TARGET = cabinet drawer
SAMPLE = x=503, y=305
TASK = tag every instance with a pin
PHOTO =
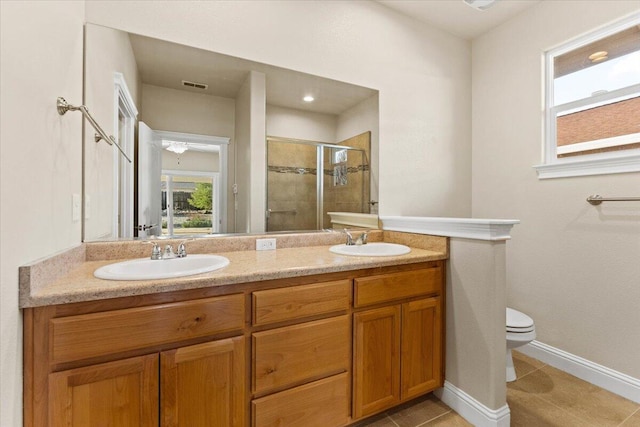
x=323, y=403
x=293, y=354
x=389, y=287
x=96, y=334
x=276, y=305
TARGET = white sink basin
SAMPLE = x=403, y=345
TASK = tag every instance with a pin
x=371, y=249
x=147, y=269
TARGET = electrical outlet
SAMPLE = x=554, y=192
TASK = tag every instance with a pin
x=75, y=207
x=265, y=244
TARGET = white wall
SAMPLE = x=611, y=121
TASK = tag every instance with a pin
x=359, y=119
x=191, y=161
x=108, y=52
x=181, y=111
x=475, y=354
x=251, y=155
x=299, y=124
x=257, y=137
x=423, y=76
x=242, y=148
x=574, y=268
x=40, y=159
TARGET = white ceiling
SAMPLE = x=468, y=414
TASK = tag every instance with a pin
x=458, y=18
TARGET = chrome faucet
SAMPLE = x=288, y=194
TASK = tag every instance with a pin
x=182, y=250
x=360, y=240
x=168, y=253
x=156, y=253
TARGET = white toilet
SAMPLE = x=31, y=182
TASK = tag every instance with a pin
x=520, y=331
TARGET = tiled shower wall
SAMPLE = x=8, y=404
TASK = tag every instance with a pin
x=355, y=195
x=291, y=183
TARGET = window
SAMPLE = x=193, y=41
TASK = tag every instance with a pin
x=592, y=121
x=190, y=202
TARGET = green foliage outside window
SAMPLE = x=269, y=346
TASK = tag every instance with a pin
x=201, y=196
x=197, y=222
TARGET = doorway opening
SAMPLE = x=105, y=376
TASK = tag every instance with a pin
x=182, y=181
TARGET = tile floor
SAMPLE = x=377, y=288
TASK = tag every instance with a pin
x=541, y=396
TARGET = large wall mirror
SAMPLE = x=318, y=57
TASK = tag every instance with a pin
x=218, y=144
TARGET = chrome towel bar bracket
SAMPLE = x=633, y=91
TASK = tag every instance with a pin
x=64, y=106
x=596, y=199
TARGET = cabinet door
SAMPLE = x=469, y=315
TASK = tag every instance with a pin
x=204, y=384
x=421, y=347
x=376, y=382
x=122, y=393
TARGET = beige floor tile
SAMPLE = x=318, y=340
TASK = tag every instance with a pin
x=380, y=420
x=524, y=364
x=583, y=400
x=632, y=421
x=450, y=419
x=527, y=410
x=418, y=411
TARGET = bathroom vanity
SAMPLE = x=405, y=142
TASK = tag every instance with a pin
x=326, y=341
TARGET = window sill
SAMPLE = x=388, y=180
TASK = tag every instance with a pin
x=624, y=163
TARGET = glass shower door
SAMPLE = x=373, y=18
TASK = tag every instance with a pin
x=291, y=186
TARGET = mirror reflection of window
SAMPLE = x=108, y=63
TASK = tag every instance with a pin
x=189, y=204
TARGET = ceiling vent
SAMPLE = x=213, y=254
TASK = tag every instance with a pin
x=194, y=84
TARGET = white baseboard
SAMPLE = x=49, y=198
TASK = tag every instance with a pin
x=471, y=410
x=613, y=381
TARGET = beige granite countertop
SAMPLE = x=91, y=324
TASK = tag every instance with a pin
x=68, y=277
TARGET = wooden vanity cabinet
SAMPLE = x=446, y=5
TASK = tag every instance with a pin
x=324, y=350
x=398, y=348
x=83, y=375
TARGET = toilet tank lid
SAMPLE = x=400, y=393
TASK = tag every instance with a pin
x=517, y=319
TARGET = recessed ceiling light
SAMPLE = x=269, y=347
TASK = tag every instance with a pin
x=308, y=98
x=480, y=4
x=599, y=56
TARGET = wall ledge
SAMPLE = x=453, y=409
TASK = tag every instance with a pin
x=472, y=410
x=354, y=219
x=469, y=228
